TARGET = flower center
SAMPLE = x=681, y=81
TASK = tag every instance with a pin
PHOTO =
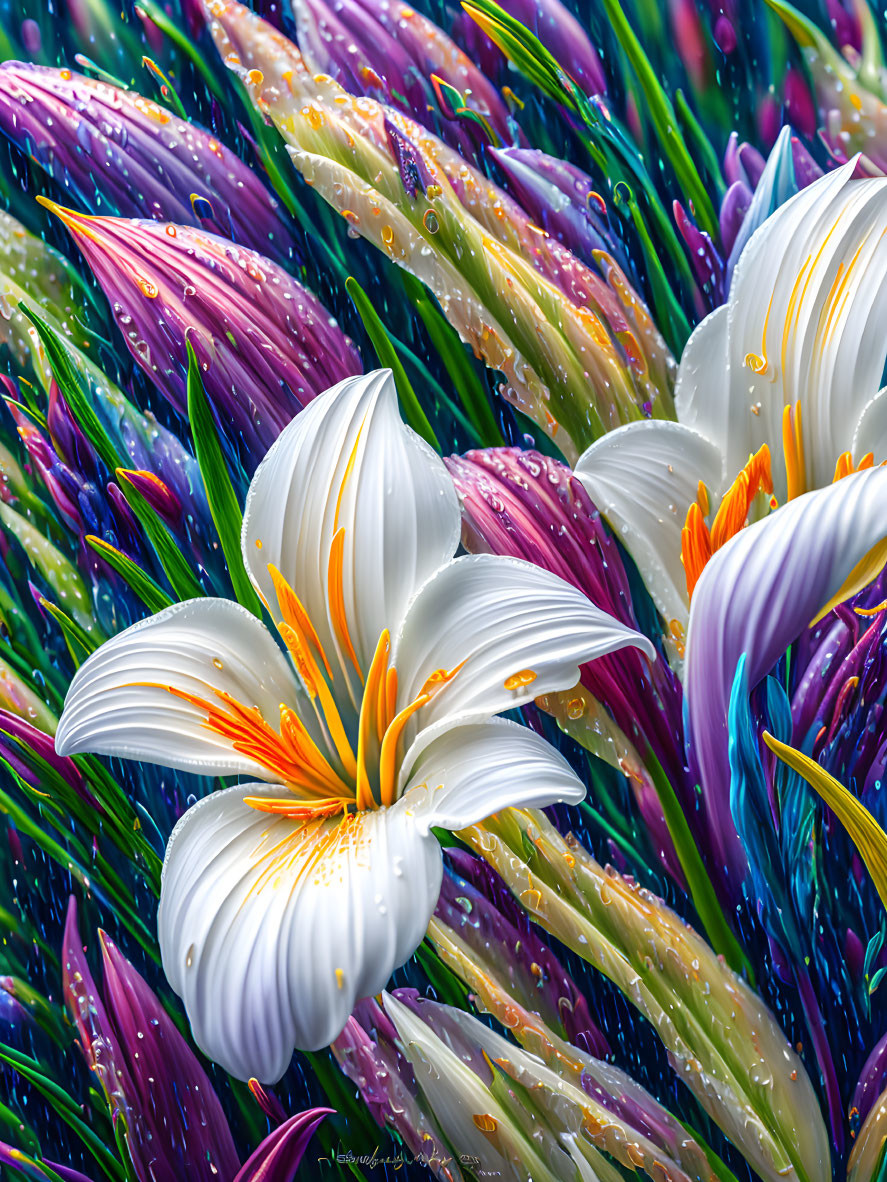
x=358, y=770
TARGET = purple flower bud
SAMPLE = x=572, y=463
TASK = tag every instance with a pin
x=62, y=484
x=159, y=496
x=119, y=153
x=847, y=26
x=279, y=1156
x=872, y=1079
x=174, y=1121
x=704, y=257
x=734, y=207
x=68, y=440
x=265, y=345
x=175, y=1125
x=560, y=198
x=28, y=735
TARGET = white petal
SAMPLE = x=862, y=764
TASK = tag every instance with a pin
x=119, y=703
x=473, y=771
x=804, y=317
x=702, y=385
x=348, y=461
x=776, y=186
x=514, y=630
x=465, y=1108
x=643, y=479
x=871, y=430
x=755, y=596
x=270, y=937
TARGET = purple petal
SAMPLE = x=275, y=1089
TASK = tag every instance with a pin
x=265, y=345
x=183, y=1124
x=278, y=1157
x=117, y=152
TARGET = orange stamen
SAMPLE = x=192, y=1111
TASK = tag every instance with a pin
x=844, y=466
x=698, y=543
x=439, y=678
x=320, y=691
x=695, y=546
x=297, y=810
x=390, y=699
x=293, y=731
x=733, y=511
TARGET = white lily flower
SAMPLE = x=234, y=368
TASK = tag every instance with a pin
x=284, y=902
x=787, y=372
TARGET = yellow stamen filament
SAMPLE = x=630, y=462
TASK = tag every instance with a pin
x=793, y=448
x=369, y=707
x=871, y=611
x=336, y=596
x=349, y=468
x=298, y=810
x=756, y=363
x=438, y=679
x=388, y=754
x=320, y=691
x=794, y=312
x=390, y=698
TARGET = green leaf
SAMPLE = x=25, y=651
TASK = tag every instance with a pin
x=452, y=352
x=80, y=643
x=181, y=577
x=524, y=49
x=658, y=107
x=153, y=597
x=223, y=504
x=702, y=892
x=72, y=390
x=66, y=1107
x=387, y=354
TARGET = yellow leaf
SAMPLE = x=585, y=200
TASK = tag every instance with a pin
x=865, y=832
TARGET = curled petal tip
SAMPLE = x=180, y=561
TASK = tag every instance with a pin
x=70, y=217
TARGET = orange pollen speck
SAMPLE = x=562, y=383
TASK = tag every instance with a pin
x=519, y=680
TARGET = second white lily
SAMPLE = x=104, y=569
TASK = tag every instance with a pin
x=778, y=391
x=284, y=902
